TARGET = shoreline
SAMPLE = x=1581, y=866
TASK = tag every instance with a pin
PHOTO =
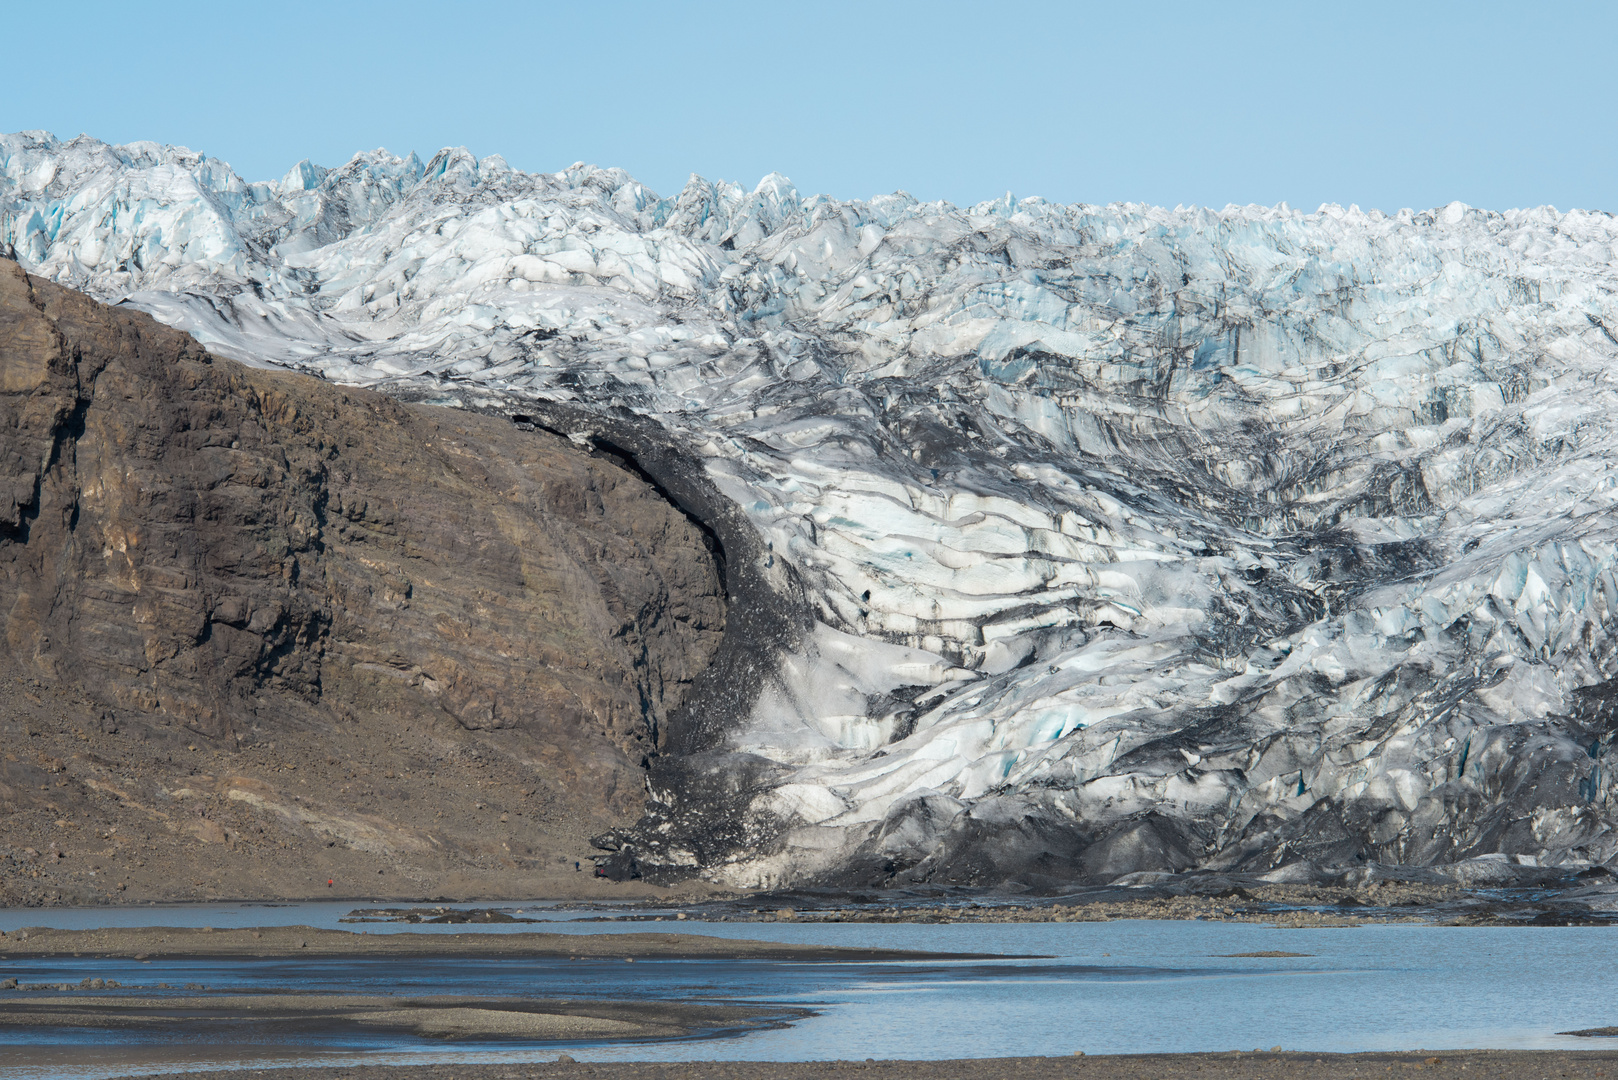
x=1276, y=1065
x=141, y=943
x=1223, y=898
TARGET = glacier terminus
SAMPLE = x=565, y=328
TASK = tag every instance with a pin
x=1065, y=543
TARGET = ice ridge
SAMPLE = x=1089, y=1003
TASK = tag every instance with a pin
x=1131, y=540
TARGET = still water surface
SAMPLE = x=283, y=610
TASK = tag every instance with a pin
x=1114, y=987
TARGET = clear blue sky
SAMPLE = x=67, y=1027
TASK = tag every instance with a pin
x=1380, y=104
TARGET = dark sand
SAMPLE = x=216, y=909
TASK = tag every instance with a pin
x=1556, y=900
x=437, y=1016
x=167, y=941
x=1467, y=1064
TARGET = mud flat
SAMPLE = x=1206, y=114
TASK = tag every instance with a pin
x=1470, y=1064
x=167, y=941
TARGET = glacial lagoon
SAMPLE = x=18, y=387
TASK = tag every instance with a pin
x=1108, y=987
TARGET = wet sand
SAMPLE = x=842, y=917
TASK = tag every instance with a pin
x=167, y=941
x=1460, y=1064
x=436, y=1016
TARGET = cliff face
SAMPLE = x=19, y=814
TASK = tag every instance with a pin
x=269, y=575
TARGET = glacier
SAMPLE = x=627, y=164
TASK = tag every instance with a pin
x=1082, y=543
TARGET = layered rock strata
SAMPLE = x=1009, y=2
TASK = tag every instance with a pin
x=218, y=583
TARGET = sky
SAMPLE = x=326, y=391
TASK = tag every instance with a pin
x=1383, y=105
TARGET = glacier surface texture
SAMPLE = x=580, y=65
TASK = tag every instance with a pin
x=1092, y=543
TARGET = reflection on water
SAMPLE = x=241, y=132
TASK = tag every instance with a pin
x=1113, y=987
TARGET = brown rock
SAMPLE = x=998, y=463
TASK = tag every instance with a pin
x=210, y=558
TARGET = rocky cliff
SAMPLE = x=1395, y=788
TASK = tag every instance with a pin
x=250, y=613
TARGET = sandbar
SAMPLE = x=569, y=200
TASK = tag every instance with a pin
x=168, y=941
x=438, y=1016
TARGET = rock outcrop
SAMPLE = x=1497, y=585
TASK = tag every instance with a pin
x=242, y=563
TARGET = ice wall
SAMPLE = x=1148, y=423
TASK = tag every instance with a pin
x=1137, y=539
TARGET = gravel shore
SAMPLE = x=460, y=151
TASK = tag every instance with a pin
x=1467, y=1064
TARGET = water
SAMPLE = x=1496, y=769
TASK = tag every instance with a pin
x=1126, y=986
